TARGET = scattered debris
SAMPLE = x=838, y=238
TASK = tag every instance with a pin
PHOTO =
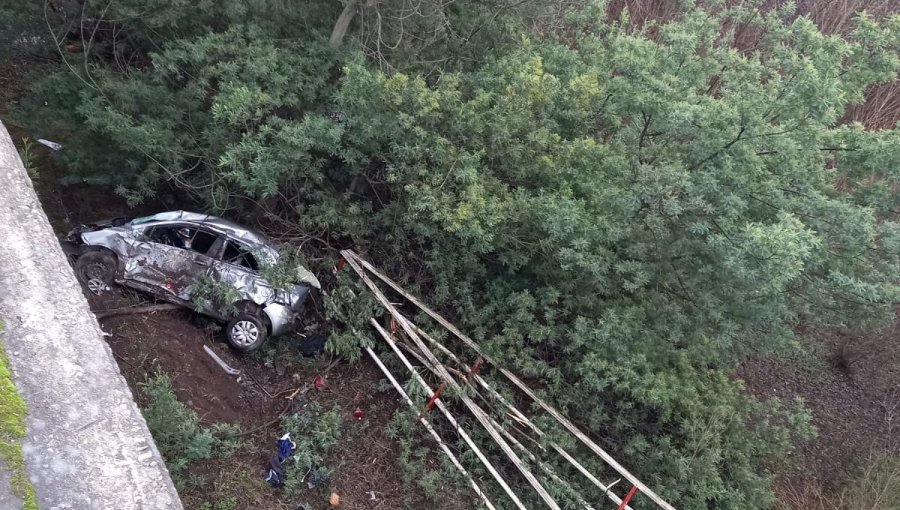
x=314, y=345
x=301, y=391
x=286, y=447
x=52, y=145
x=335, y=500
x=227, y=368
x=318, y=478
x=319, y=382
x=359, y=414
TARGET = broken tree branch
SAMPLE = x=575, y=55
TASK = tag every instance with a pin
x=102, y=314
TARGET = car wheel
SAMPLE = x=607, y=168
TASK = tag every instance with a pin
x=246, y=332
x=97, y=270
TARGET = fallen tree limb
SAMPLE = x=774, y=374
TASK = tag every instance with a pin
x=102, y=314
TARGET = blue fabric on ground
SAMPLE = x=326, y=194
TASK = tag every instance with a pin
x=286, y=447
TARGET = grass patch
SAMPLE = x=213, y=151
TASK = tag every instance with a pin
x=874, y=486
x=315, y=433
x=440, y=481
x=12, y=430
x=178, y=434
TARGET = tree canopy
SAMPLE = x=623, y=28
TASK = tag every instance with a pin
x=621, y=213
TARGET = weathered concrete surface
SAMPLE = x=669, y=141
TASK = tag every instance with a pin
x=87, y=445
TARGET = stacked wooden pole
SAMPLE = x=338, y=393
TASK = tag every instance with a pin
x=495, y=430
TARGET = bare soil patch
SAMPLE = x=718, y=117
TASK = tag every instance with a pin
x=850, y=382
x=364, y=468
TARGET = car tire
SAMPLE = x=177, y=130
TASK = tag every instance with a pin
x=96, y=268
x=246, y=332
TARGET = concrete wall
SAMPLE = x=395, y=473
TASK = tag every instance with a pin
x=87, y=445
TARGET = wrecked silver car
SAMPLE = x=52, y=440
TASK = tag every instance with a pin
x=197, y=261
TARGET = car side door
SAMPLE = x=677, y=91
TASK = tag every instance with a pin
x=239, y=267
x=170, y=259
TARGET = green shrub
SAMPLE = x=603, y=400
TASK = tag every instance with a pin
x=177, y=431
x=315, y=433
x=229, y=503
x=227, y=439
x=439, y=481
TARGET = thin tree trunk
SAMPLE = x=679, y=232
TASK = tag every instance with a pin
x=343, y=22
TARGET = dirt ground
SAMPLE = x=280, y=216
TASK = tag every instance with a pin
x=851, y=385
x=365, y=474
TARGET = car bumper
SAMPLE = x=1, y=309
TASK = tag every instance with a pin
x=281, y=318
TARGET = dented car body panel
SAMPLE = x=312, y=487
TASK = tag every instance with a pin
x=168, y=254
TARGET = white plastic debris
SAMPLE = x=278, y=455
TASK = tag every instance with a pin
x=53, y=145
x=221, y=363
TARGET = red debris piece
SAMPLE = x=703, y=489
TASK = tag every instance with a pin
x=319, y=383
x=341, y=263
x=359, y=414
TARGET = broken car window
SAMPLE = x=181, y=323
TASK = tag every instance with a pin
x=182, y=237
x=239, y=254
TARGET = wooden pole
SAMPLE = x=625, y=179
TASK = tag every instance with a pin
x=600, y=452
x=544, y=467
x=445, y=375
x=519, y=416
x=459, y=430
x=430, y=429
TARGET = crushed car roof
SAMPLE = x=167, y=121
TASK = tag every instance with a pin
x=228, y=226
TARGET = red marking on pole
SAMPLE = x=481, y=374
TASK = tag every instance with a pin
x=628, y=497
x=394, y=327
x=475, y=369
x=431, y=401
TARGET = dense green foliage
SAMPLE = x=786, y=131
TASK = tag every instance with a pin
x=622, y=215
